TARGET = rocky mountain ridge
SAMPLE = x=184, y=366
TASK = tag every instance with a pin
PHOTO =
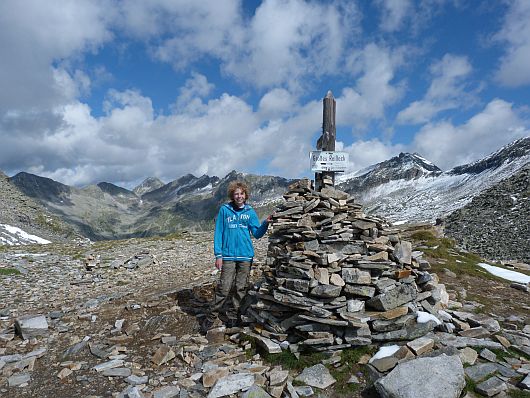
x=24, y=220
x=407, y=188
x=107, y=211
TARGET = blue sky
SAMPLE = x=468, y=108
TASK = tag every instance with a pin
x=119, y=91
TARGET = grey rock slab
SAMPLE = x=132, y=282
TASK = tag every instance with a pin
x=421, y=345
x=403, y=252
x=488, y=323
x=18, y=379
x=167, y=392
x=356, y=276
x=360, y=290
x=116, y=372
x=326, y=291
x=231, y=384
x=393, y=298
x=131, y=392
x=270, y=346
x=480, y=371
x=11, y=358
x=255, y=392
x=304, y=391
x=316, y=376
x=278, y=377
x=490, y=387
x=115, y=363
x=476, y=332
x=135, y=380
x=468, y=356
x=445, y=376
x=29, y=326
x=461, y=342
x=488, y=355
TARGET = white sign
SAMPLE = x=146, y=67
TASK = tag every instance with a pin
x=328, y=161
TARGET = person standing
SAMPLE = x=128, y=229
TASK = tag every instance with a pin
x=234, y=252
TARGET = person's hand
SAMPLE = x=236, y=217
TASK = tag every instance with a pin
x=269, y=218
x=219, y=263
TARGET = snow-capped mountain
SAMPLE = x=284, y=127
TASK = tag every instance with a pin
x=407, y=188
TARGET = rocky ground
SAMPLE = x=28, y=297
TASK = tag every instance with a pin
x=121, y=319
x=495, y=223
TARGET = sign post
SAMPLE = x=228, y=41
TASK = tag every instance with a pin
x=326, y=142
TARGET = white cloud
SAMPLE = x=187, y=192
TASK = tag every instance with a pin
x=394, y=13
x=374, y=89
x=194, y=89
x=33, y=36
x=364, y=153
x=446, y=91
x=449, y=145
x=515, y=34
x=277, y=103
x=290, y=41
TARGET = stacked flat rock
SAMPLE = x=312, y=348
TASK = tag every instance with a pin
x=336, y=278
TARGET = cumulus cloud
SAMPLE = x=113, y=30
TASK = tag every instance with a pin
x=307, y=40
x=364, y=153
x=374, y=89
x=448, y=90
x=449, y=145
x=515, y=35
x=394, y=13
x=34, y=37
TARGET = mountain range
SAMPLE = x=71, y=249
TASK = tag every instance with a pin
x=409, y=188
x=405, y=188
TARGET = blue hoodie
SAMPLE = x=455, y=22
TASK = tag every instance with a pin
x=232, y=233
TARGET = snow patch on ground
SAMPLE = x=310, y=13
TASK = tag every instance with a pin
x=513, y=276
x=384, y=352
x=11, y=235
x=424, y=317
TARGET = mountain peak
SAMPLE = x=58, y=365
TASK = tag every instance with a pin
x=113, y=190
x=148, y=185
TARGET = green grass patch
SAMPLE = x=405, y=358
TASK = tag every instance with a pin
x=9, y=271
x=349, y=366
x=470, y=385
x=519, y=394
x=289, y=361
x=444, y=249
x=507, y=353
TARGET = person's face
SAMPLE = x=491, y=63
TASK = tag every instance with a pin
x=239, y=197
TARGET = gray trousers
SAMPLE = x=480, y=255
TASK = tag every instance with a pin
x=233, y=275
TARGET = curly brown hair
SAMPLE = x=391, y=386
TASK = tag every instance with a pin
x=235, y=185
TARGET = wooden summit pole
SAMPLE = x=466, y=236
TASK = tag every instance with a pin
x=326, y=142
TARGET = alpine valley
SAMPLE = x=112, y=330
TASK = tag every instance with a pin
x=404, y=189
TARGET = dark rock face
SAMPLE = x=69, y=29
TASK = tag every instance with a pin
x=495, y=223
x=19, y=210
x=115, y=190
x=41, y=188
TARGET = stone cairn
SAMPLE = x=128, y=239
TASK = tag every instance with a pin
x=336, y=278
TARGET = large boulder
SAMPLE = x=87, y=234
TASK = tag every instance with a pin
x=438, y=377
